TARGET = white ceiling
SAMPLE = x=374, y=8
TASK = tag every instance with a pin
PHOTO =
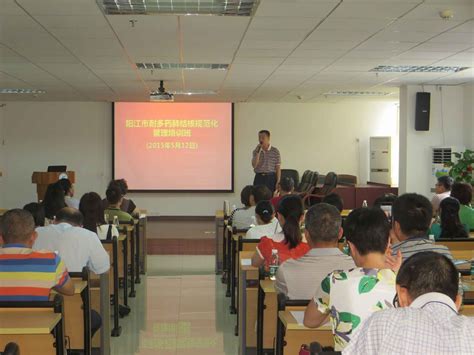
x=290, y=50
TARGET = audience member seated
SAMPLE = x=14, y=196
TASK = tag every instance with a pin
x=285, y=187
x=267, y=224
x=114, y=199
x=385, y=200
x=68, y=189
x=412, y=215
x=247, y=200
x=299, y=278
x=27, y=274
x=77, y=246
x=335, y=200
x=442, y=190
x=53, y=201
x=37, y=211
x=348, y=297
x=450, y=226
x=244, y=219
x=427, y=320
x=463, y=192
x=126, y=205
x=289, y=243
x=92, y=209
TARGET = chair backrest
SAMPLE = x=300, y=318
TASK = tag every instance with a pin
x=314, y=179
x=345, y=179
x=330, y=183
x=291, y=173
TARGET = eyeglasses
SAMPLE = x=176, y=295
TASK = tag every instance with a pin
x=395, y=301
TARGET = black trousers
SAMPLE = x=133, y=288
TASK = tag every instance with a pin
x=96, y=322
x=267, y=179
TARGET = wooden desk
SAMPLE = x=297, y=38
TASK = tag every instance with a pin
x=219, y=223
x=297, y=334
x=100, y=301
x=31, y=329
x=345, y=213
x=247, y=305
x=266, y=315
x=143, y=222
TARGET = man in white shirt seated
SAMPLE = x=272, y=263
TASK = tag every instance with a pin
x=442, y=190
x=77, y=247
x=299, y=278
x=267, y=225
x=428, y=321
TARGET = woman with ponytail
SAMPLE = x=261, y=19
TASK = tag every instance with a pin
x=289, y=243
x=450, y=226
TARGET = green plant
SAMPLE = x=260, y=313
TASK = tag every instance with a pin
x=461, y=170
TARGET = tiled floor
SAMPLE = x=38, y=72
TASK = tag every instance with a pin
x=180, y=308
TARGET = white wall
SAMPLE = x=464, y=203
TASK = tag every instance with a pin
x=448, y=127
x=469, y=115
x=320, y=136
x=2, y=156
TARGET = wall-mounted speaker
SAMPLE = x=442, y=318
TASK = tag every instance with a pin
x=422, y=112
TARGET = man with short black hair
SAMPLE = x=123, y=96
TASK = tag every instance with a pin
x=442, y=190
x=299, y=278
x=77, y=246
x=27, y=274
x=428, y=322
x=350, y=296
x=412, y=215
x=266, y=162
x=334, y=200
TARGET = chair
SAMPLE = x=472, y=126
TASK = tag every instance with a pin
x=345, y=179
x=317, y=194
x=11, y=349
x=305, y=183
x=291, y=173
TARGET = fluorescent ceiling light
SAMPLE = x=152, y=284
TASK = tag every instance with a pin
x=186, y=66
x=356, y=93
x=194, y=92
x=180, y=7
x=417, y=69
x=22, y=91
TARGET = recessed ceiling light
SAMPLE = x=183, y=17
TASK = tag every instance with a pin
x=180, y=7
x=22, y=91
x=356, y=93
x=186, y=66
x=417, y=69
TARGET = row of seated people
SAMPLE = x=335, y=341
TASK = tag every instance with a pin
x=347, y=290
x=451, y=218
x=36, y=258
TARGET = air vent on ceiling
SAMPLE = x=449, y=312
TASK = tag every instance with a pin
x=356, y=93
x=22, y=91
x=417, y=69
x=180, y=7
x=186, y=66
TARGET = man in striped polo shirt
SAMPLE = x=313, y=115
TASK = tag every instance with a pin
x=266, y=162
x=27, y=275
x=412, y=215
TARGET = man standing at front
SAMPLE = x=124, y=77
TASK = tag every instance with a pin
x=266, y=162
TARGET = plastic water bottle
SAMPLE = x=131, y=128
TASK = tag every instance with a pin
x=274, y=264
x=364, y=204
x=472, y=270
x=116, y=221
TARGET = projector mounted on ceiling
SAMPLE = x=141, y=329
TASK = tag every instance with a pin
x=161, y=94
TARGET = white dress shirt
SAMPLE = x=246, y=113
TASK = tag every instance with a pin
x=430, y=325
x=78, y=247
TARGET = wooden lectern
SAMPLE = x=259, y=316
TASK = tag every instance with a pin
x=43, y=179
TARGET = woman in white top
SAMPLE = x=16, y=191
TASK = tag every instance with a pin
x=267, y=224
x=93, y=211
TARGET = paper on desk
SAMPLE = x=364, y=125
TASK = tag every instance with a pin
x=246, y=262
x=299, y=316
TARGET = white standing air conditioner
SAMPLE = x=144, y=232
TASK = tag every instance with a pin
x=381, y=160
x=439, y=157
